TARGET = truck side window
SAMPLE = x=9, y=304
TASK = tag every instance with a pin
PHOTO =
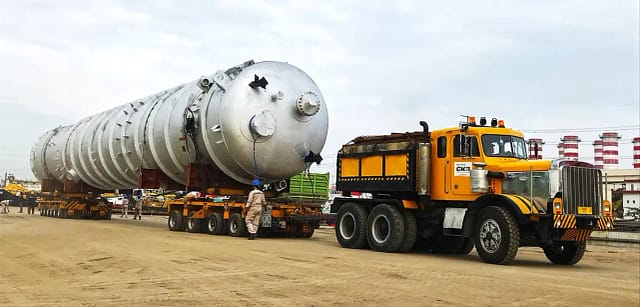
x=442, y=147
x=469, y=145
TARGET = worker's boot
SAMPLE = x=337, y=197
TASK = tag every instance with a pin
x=252, y=236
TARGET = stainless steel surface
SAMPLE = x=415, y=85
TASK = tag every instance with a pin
x=479, y=180
x=424, y=168
x=246, y=131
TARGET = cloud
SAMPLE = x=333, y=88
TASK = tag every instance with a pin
x=382, y=66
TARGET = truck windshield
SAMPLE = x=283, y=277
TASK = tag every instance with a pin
x=495, y=145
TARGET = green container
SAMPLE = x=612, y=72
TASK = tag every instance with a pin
x=309, y=186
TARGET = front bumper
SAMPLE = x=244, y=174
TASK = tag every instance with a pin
x=586, y=222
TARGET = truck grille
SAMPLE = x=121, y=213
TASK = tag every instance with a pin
x=581, y=187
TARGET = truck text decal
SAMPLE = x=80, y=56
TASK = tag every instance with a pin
x=462, y=168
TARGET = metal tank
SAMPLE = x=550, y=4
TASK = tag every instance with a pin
x=263, y=120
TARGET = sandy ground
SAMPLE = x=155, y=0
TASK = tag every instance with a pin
x=48, y=261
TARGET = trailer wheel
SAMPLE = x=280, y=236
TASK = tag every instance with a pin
x=175, y=220
x=385, y=228
x=410, y=231
x=300, y=231
x=215, y=224
x=237, y=227
x=194, y=225
x=566, y=253
x=351, y=226
x=496, y=235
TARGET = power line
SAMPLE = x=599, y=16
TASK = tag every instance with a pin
x=594, y=129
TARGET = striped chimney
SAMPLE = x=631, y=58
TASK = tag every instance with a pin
x=532, y=149
x=610, y=149
x=597, y=154
x=560, y=150
x=636, y=152
x=570, y=145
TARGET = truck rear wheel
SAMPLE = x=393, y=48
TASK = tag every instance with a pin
x=351, y=225
x=194, y=225
x=566, y=253
x=237, y=227
x=215, y=224
x=385, y=228
x=496, y=235
x=175, y=220
x=410, y=231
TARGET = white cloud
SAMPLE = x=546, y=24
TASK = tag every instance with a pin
x=382, y=66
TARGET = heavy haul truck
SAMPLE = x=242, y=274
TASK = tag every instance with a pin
x=263, y=121
x=450, y=189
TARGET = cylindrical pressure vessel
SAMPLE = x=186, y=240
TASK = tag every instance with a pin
x=263, y=120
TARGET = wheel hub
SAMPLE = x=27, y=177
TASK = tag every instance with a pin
x=490, y=236
x=380, y=228
x=347, y=226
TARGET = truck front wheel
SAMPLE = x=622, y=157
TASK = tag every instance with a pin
x=496, y=235
x=385, y=228
x=351, y=226
x=567, y=253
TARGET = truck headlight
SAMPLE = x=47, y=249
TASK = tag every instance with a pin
x=557, y=205
x=606, y=208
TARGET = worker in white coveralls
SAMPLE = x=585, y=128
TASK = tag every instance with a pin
x=5, y=206
x=254, y=204
x=125, y=207
x=138, y=209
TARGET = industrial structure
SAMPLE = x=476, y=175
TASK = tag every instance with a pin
x=535, y=149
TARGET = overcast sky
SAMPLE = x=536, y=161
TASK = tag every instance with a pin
x=382, y=66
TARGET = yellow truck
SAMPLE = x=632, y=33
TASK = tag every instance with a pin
x=450, y=189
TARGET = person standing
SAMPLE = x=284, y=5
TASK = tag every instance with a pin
x=255, y=202
x=5, y=206
x=31, y=203
x=138, y=208
x=125, y=207
x=20, y=200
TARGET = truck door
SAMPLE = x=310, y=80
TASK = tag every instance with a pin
x=464, y=152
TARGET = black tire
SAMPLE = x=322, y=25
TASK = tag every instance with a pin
x=385, y=228
x=193, y=225
x=237, y=226
x=214, y=225
x=300, y=231
x=351, y=226
x=496, y=235
x=410, y=231
x=309, y=234
x=566, y=253
x=175, y=220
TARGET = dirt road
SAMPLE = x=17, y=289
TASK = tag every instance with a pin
x=48, y=261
